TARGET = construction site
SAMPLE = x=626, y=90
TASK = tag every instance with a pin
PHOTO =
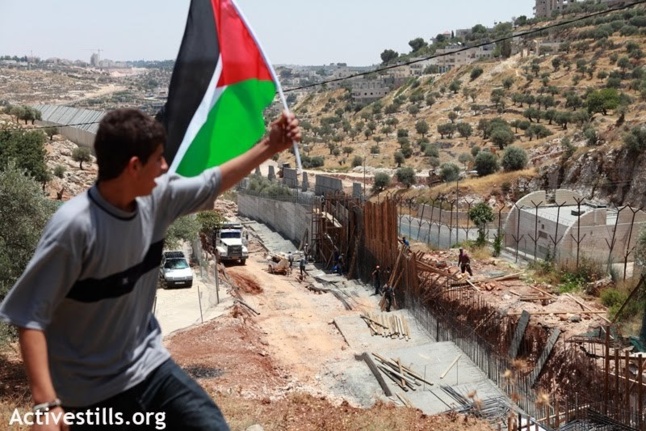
x=549, y=360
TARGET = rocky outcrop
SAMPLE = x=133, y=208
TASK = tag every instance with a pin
x=74, y=180
x=616, y=176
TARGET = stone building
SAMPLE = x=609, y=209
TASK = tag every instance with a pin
x=369, y=90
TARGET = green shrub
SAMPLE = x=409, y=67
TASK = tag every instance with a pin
x=381, y=182
x=59, y=171
x=514, y=159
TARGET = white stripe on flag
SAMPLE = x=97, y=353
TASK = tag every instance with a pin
x=200, y=116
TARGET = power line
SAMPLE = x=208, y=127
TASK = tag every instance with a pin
x=466, y=48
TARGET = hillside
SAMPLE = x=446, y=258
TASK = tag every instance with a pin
x=548, y=96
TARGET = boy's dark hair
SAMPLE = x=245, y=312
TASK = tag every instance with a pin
x=123, y=134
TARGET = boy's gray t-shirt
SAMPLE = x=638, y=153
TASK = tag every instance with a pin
x=91, y=284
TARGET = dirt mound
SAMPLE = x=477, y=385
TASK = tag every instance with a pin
x=246, y=282
x=227, y=353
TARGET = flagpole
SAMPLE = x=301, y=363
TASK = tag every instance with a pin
x=270, y=66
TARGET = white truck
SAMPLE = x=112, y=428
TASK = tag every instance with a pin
x=231, y=243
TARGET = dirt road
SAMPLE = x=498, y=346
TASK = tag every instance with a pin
x=297, y=322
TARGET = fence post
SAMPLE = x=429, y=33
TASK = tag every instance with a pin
x=421, y=219
x=578, y=230
x=469, y=203
x=451, y=224
x=611, y=244
x=555, y=240
x=439, y=224
x=630, y=234
x=535, y=238
x=517, y=237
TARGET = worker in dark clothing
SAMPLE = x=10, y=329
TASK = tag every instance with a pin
x=376, y=274
x=306, y=251
x=389, y=295
x=337, y=256
x=290, y=258
x=464, y=262
x=301, y=266
x=340, y=264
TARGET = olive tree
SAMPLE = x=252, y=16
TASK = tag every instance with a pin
x=514, y=159
x=381, y=181
x=486, y=163
x=480, y=215
x=24, y=211
x=81, y=154
x=183, y=229
x=422, y=127
x=449, y=172
x=406, y=176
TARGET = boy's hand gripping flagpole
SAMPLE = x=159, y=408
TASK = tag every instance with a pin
x=299, y=166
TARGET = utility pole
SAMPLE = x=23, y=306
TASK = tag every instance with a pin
x=364, y=171
x=457, y=209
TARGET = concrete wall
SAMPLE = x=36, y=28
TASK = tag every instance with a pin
x=83, y=122
x=290, y=178
x=357, y=190
x=326, y=184
x=290, y=219
x=521, y=227
x=596, y=230
x=596, y=236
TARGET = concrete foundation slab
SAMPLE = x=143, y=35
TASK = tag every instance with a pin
x=440, y=363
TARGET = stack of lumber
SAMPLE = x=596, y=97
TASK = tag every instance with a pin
x=403, y=376
x=391, y=325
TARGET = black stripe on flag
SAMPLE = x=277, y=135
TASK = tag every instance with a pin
x=194, y=68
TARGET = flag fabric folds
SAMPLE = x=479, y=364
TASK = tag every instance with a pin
x=220, y=86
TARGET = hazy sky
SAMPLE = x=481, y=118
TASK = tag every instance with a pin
x=308, y=32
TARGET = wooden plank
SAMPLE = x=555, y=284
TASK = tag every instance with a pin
x=407, y=330
x=515, y=276
x=551, y=341
x=391, y=363
x=584, y=305
x=370, y=318
x=395, y=377
x=401, y=371
x=473, y=285
x=541, y=290
x=518, y=335
x=404, y=400
x=546, y=313
x=455, y=361
x=375, y=372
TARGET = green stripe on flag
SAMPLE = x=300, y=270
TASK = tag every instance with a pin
x=233, y=126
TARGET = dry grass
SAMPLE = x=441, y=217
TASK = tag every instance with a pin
x=302, y=412
x=480, y=253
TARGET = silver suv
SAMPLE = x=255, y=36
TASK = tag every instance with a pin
x=175, y=270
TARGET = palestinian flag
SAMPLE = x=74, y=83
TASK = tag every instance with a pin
x=220, y=86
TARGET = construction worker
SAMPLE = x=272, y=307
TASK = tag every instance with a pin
x=389, y=295
x=464, y=262
x=340, y=264
x=301, y=266
x=376, y=275
x=306, y=251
